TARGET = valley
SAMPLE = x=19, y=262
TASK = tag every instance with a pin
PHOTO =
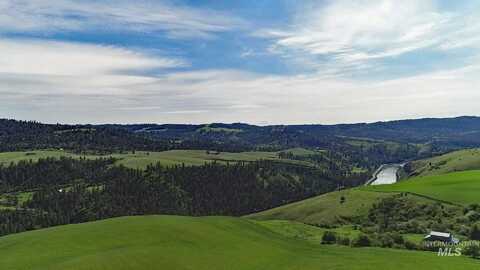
x=292, y=197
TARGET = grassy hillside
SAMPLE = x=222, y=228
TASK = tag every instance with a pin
x=455, y=161
x=141, y=159
x=170, y=242
x=459, y=187
x=309, y=233
x=325, y=209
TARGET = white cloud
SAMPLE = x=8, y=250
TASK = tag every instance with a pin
x=22, y=56
x=48, y=67
x=143, y=16
x=351, y=33
x=231, y=96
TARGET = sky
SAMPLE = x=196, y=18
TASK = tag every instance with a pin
x=260, y=62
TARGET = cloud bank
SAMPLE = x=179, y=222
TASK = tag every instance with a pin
x=91, y=83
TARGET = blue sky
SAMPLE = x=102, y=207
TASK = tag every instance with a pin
x=261, y=62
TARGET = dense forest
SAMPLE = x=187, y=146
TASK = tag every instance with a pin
x=69, y=190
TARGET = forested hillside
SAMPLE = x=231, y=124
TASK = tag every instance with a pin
x=63, y=191
x=437, y=135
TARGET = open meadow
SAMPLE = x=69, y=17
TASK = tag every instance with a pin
x=141, y=159
x=172, y=242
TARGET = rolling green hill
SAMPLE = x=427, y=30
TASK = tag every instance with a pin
x=459, y=187
x=325, y=209
x=172, y=242
x=462, y=160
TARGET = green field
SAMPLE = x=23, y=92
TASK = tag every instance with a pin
x=312, y=234
x=188, y=157
x=325, y=209
x=9, y=157
x=171, y=242
x=141, y=159
x=460, y=187
x=462, y=160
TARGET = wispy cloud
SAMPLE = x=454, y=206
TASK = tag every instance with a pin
x=40, y=57
x=48, y=67
x=349, y=34
x=144, y=16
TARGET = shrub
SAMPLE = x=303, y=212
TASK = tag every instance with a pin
x=344, y=241
x=385, y=240
x=472, y=251
x=362, y=241
x=410, y=245
x=329, y=237
x=397, y=238
x=475, y=232
x=463, y=230
x=473, y=216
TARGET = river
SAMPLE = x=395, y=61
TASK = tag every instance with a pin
x=386, y=174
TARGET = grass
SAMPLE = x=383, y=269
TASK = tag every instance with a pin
x=171, y=242
x=15, y=157
x=325, y=209
x=141, y=159
x=298, y=151
x=462, y=160
x=312, y=234
x=459, y=188
x=21, y=198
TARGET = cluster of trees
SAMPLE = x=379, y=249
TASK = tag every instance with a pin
x=385, y=240
x=69, y=190
x=394, y=216
x=401, y=214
